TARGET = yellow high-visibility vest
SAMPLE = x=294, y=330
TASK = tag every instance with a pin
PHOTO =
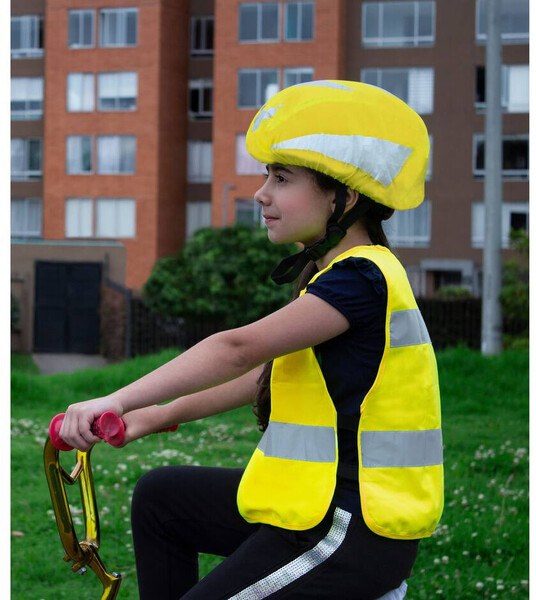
x=291, y=476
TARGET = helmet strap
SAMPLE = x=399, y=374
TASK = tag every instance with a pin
x=291, y=266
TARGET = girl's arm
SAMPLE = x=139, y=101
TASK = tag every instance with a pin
x=224, y=397
x=305, y=322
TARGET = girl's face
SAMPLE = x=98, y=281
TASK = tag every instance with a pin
x=293, y=207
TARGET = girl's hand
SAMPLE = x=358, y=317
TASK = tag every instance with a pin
x=76, y=426
x=142, y=422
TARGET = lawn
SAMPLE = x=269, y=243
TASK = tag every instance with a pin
x=480, y=549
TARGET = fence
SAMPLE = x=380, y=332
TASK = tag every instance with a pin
x=135, y=330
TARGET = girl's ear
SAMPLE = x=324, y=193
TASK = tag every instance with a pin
x=351, y=199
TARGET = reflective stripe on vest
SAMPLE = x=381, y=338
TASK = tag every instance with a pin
x=407, y=328
x=402, y=448
x=299, y=442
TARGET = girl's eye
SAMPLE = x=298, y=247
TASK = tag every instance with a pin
x=279, y=178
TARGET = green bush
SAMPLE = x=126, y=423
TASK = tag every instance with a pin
x=515, y=282
x=220, y=274
x=453, y=292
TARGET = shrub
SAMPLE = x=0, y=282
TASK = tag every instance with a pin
x=453, y=292
x=515, y=283
x=220, y=274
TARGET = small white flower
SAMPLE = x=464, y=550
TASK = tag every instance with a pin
x=479, y=585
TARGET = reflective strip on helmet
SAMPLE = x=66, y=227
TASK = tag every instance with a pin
x=402, y=448
x=327, y=83
x=268, y=113
x=407, y=328
x=299, y=442
x=381, y=159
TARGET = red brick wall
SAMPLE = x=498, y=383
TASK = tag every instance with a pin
x=325, y=53
x=157, y=123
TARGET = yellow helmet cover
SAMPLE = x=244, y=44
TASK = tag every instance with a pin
x=357, y=133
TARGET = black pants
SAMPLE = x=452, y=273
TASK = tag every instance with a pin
x=178, y=512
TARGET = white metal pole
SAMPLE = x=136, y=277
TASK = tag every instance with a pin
x=491, y=308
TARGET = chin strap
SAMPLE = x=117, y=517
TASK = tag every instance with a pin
x=291, y=266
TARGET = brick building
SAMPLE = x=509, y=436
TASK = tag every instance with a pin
x=128, y=123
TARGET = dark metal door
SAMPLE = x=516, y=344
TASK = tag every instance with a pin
x=67, y=300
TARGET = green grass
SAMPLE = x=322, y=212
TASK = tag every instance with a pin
x=480, y=549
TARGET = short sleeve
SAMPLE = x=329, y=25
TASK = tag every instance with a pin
x=356, y=288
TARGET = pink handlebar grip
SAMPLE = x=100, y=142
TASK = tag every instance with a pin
x=109, y=427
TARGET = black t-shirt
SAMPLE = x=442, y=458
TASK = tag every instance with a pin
x=349, y=362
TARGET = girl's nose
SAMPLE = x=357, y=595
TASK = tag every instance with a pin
x=261, y=196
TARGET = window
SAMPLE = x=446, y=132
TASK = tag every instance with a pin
x=248, y=212
x=245, y=163
x=414, y=86
x=81, y=28
x=116, y=218
x=118, y=27
x=26, y=159
x=398, y=24
x=302, y=75
x=200, y=98
x=116, y=154
x=256, y=86
x=514, y=21
x=80, y=92
x=515, y=155
x=299, y=21
x=79, y=217
x=202, y=36
x=79, y=159
x=410, y=228
x=26, y=217
x=197, y=217
x=514, y=88
x=118, y=91
x=259, y=22
x=27, y=36
x=199, y=162
x=515, y=215
x=26, y=98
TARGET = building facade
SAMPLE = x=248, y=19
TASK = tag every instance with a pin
x=129, y=118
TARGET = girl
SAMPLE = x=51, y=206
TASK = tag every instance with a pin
x=348, y=475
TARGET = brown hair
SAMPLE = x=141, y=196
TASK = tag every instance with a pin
x=372, y=221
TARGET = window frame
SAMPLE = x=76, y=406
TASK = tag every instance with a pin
x=481, y=107
x=300, y=39
x=30, y=52
x=260, y=40
x=258, y=72
x=102, y=199
x=87, y=74
x=28, y=233
x=398, y=241
x=407, y=70
x=121, y=137
x=200, y=84
x=123, y=10
x=190, y=230
x=505, y=174
x=507, y=209
x=92, y=149
x=201, y=51
x=506, y=38
x=301, y=70
x=256, y=211
x=27, y=114
x=417, y=40
x=117, y=98
x=29, y=175
x=200, y=177
x=93, y=28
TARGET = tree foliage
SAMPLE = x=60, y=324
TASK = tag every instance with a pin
x=515, y=281
x=220, y=274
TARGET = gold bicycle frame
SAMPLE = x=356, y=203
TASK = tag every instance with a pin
x=83, y=553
